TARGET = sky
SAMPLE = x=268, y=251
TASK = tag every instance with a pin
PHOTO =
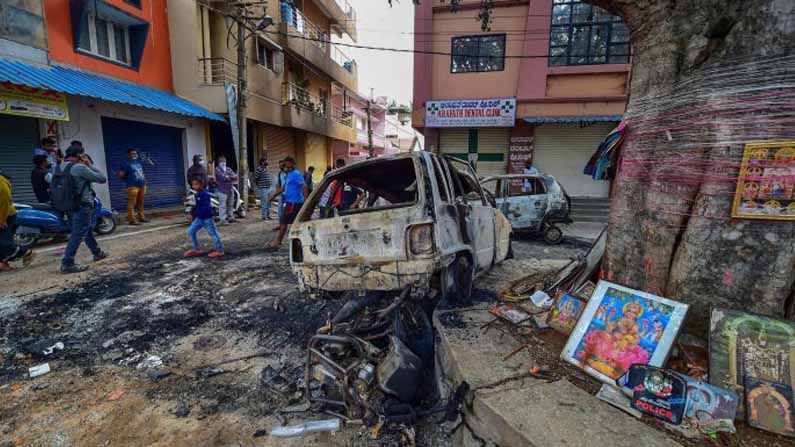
x=388, y=73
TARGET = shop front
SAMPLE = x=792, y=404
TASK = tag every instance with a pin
x=478, y=131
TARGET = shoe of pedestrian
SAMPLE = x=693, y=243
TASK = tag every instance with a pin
x=135, y=223
x=74, y=268
x=100, y=256
x=216, y=254
x=27, y=258
x=5, y=267
x=193, y=253
x=144, y=220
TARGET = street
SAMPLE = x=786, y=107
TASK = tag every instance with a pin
x=197, y=316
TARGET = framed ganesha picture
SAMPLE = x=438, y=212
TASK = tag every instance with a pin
x=621, y=327
x=766, y=183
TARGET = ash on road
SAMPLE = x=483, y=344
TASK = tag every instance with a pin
x=230, y=335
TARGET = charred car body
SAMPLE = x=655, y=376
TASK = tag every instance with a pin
x=398, y=233
x=534, y=203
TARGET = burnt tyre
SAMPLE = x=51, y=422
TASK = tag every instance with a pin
x=553, y=235
x=464, y=272
x=105, y=225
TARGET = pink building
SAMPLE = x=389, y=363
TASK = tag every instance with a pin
x=357, y=107
x=546, y=83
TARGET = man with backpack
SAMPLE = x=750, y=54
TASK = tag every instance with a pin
x=72, y=193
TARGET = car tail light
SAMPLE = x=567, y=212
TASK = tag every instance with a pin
x=421, y=239
x=296, y=251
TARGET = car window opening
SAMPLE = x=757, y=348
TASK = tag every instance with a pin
x=370, y=187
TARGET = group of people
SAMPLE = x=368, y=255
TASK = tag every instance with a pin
x=207, y=192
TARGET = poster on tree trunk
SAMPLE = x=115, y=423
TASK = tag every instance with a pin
x=766, y=184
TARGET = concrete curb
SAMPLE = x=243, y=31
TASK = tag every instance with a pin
x=507, y=411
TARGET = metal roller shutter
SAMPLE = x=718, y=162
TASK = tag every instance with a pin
x=279, y=144
x=160, y=149
x=493, y=151
x=316, y=154
x=563, y=150
x=454, y=142
x=20, y=137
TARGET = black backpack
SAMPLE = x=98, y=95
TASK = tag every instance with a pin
x=62, y=190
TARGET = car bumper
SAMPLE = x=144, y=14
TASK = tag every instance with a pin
x=385, y=276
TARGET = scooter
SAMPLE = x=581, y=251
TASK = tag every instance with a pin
x=40, y=220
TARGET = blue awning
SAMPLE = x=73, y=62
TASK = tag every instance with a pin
x=573, y=119
x=81, y=83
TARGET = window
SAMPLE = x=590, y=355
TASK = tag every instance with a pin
x=269, y=56
x=583, y=34
x=473, y=54
x=105, y=39
x=136, y=3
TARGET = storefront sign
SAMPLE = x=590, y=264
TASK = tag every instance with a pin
x=471, y=113
x=21, y=100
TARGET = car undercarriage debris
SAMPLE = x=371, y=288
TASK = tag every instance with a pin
x=374, y=363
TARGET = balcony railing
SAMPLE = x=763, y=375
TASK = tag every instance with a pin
x=342, y=59
x=294, y=18
x=303, y=99
x=217, y=71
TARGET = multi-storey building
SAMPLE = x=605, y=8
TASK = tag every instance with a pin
x=98, y=72
x=298, y=82
x=547, y=82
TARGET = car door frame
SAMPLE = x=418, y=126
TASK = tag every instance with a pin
x=481, y=227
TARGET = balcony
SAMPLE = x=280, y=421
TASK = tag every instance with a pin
x=341, y=14
x=310, y=42
x=306, y=111
x=217, y=71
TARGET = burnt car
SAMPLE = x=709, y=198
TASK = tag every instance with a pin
x=396, y=235
x=413, y=219
x=534, y=203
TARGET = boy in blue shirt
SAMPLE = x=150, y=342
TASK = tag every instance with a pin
x=293, y=191
x=132, y=171
x=202, y=212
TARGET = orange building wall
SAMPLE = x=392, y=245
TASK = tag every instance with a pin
x=155, y=68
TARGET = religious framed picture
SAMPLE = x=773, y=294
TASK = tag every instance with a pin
x=747, y=345
x=586, y=290
x=621, y=327
x=566, y=312
x=769, y=406
x=766, y=183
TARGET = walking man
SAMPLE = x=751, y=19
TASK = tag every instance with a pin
x=280, y=184
x=132, y=171
x=225, y=177
x=310, y=183
x=294, y=191
x=264, y=187
x=197, y=171
x=83, y=174
x=9, y=250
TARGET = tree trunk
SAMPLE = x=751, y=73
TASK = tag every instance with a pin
x=708, y=76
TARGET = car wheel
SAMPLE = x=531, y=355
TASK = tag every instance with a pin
x=26, y=240
x=105, y=225
x=553, y=235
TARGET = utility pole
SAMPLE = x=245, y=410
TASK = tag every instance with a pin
x=370, y=149
x=242, y=81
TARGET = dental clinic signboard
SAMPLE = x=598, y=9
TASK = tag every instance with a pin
x=471, y=113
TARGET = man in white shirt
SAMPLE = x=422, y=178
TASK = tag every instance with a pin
x=527, y=186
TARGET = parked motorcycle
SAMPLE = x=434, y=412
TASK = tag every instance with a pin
x=40, y=220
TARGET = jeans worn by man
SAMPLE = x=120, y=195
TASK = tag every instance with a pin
x=82, y=230
x=265, y=204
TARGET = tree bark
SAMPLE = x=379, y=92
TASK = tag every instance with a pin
x=708, y=76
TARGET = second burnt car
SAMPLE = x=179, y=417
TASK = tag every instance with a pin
x=396, y=235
